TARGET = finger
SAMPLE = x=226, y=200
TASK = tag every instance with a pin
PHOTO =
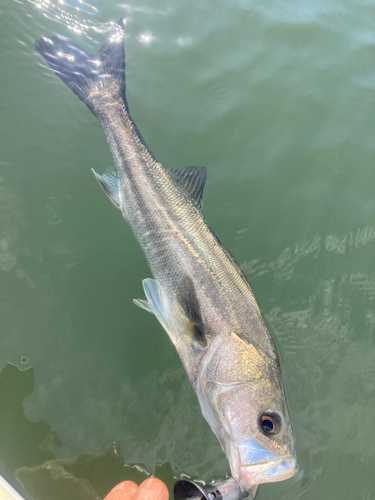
x=152, y=489
x=123, y=491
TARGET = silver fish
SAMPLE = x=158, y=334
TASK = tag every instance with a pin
x=199, y=293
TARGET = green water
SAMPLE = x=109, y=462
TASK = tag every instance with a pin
x=277, y=99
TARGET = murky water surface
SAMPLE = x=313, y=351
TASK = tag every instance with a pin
x=277, y=99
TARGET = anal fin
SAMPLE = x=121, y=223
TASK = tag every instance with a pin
x=109, y=183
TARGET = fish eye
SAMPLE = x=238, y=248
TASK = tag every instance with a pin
x=270, y=422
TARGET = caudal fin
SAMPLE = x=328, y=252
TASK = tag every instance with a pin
x=81, y=71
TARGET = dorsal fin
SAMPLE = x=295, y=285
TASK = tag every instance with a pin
x=189, y=311
x=192, y=179
x=231, y=258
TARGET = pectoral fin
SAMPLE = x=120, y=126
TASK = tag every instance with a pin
x=156, y=304
x=186, y=312
x=189, y=313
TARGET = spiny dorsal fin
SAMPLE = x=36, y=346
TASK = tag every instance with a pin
x=189, y=312
x=192, y=179
x=109, y=184
x=231, y=258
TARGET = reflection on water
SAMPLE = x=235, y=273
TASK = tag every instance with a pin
x=22, y=442
x=326, y=334
x=29, y=449
x=284, y=266
x=88, y=476
x=326, y=328
x=71, y=14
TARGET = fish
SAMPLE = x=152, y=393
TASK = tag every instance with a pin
x=198, y=291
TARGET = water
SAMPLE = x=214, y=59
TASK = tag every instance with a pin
x=277, y=100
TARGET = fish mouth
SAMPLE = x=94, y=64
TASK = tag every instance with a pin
x=269, y=471
x=259, y=465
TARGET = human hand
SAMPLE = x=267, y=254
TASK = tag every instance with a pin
x=151, y=489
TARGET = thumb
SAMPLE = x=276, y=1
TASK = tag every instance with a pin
x=123, y=491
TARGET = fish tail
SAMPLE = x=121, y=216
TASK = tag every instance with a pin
x=84, y=73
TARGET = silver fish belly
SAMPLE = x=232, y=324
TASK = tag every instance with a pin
x=199, y=293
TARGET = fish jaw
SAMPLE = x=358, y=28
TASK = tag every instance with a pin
x=272, y=471
x=253, y=465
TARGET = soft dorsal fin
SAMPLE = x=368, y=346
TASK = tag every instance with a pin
x=189, y=313
x=192, y=179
